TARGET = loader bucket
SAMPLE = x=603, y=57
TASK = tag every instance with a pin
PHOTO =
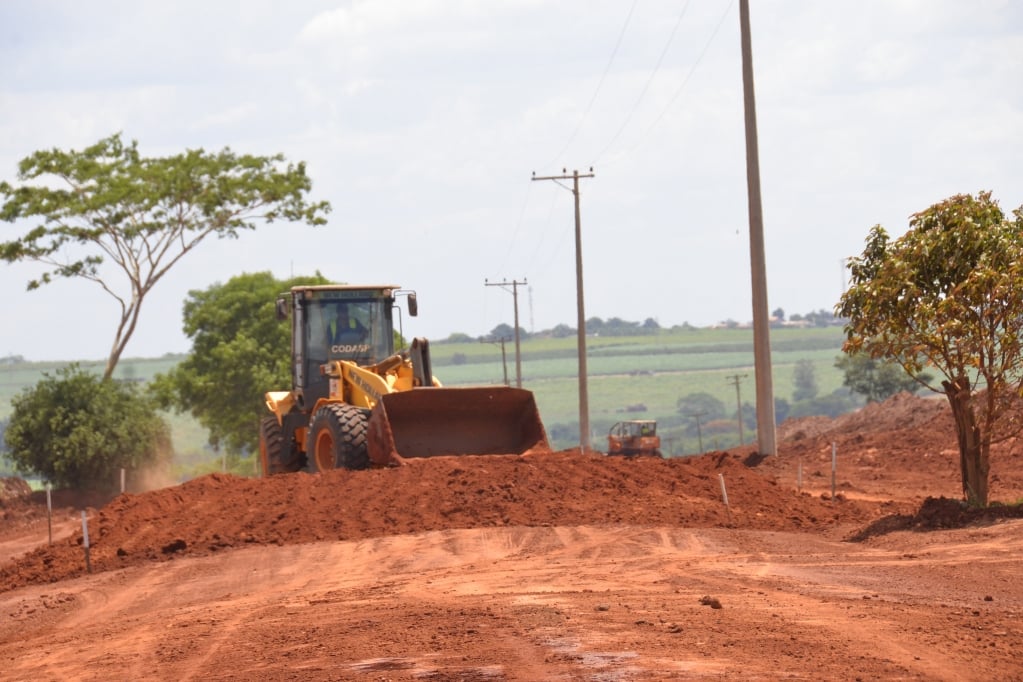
x=427, y=422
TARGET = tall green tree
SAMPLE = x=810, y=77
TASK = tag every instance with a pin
x=805, y=379
x=506, y=331
x=108, y=203
x=240, y=350
x=78, y=430
x=699, y=408
x=946, y=295
x=3, y=442
x=876, y=379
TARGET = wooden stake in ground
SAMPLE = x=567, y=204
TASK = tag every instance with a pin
x=49, y=514
x=724, y=496
x=85, y=541
x=834, y=468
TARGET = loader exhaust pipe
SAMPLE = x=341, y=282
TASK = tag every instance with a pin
x=430, y=422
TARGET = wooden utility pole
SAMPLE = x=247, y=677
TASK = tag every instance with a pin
x=699, y=432
x=584, y=400
x=766, y=440
x=514, y=284
x=735, y=379
x=504, y=357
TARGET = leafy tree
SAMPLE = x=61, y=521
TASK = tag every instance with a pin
x=820, y=318
x=563, y=435
x=836, y=403
x=240, y=350
x=749, y=418
x=805, y=380
x=78, y=430
x=616, y=326
x=876, y=379
x=946, y=295
x=781, y=410
x=562, y=331
x=702, y=401
x=142, y=214
x=506, y=331
x=779, y=314
x=701, y=408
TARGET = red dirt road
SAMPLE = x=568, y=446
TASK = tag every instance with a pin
x=559, y=567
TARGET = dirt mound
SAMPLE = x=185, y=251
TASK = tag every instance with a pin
x=900, y=412
x=939, y=514
x=22, y=509
x=13, y=490
x=890, y=458
x=904, y=447
x=16, y=505
x=567, y=488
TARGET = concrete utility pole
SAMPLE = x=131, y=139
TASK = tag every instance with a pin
x=514, y=284
x=584, y=400
x=735, y=379
x=766, y=440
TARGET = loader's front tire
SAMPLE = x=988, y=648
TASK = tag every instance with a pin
x=337, y=439
x=277, y=454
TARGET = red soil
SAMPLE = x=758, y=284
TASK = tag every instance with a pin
x=455, y=521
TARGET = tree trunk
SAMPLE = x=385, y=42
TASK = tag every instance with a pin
x=974, y=448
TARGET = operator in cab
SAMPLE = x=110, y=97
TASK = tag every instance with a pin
x=346, y=329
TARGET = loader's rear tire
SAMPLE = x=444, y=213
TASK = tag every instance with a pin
x=277, y=454
x=337, y=439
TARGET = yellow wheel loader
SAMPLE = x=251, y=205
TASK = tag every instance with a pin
x=636, y=437
x=355, y=402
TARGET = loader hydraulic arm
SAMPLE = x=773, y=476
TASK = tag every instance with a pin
x=358, y=386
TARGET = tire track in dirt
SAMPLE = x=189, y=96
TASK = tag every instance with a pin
x=588, y=602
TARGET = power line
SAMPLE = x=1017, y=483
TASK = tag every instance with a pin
x=600, y=83
x=543, y=237
x=649, y=80
x=681, y=87
x=682, y=13
x=518, y=226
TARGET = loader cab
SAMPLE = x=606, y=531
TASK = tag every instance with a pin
x=335, y=322
x=634, y=429
x=636, y=437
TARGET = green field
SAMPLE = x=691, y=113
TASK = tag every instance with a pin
x=629, y=377
x=649, y=371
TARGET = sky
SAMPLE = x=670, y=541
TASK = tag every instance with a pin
x=422, y=122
